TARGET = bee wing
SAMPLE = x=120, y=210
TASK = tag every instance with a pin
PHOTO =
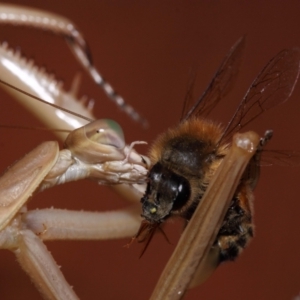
x=220, y=85
x=284, y=158
x=188, y=99
x=274, y=85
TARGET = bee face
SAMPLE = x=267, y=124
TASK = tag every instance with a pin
x=166, y=192
x=184, y=159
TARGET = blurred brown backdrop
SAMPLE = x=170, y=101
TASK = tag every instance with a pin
x=146, y=49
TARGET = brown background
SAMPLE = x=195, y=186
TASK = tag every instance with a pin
x=146, y=50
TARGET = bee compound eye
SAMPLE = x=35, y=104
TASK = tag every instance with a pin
x=183, y=193
x=106, y=132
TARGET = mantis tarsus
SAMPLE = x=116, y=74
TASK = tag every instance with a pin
x=95, y=202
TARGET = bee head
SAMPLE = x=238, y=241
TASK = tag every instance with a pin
x=166, y=191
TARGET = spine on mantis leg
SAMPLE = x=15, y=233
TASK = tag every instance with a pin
x=39, y=19
x=29, y=78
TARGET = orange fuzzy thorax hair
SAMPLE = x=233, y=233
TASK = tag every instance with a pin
x=201, y=129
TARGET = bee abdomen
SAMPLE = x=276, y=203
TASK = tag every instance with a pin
x=236, y=231
x=231, y=246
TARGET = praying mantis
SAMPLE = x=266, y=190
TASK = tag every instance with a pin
x=48, y=156
x=139, y=264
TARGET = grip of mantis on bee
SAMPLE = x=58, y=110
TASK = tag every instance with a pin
x=98, y=151
x=99, y=141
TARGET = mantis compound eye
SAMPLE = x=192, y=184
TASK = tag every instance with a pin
x=106, y=132
x=97, y=142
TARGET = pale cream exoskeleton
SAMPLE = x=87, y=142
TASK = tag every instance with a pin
x=97, y=151
x=45, y=167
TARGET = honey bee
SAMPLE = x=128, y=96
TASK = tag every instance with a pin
x=185, y=158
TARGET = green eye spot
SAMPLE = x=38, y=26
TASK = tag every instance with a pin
x=115, y=127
